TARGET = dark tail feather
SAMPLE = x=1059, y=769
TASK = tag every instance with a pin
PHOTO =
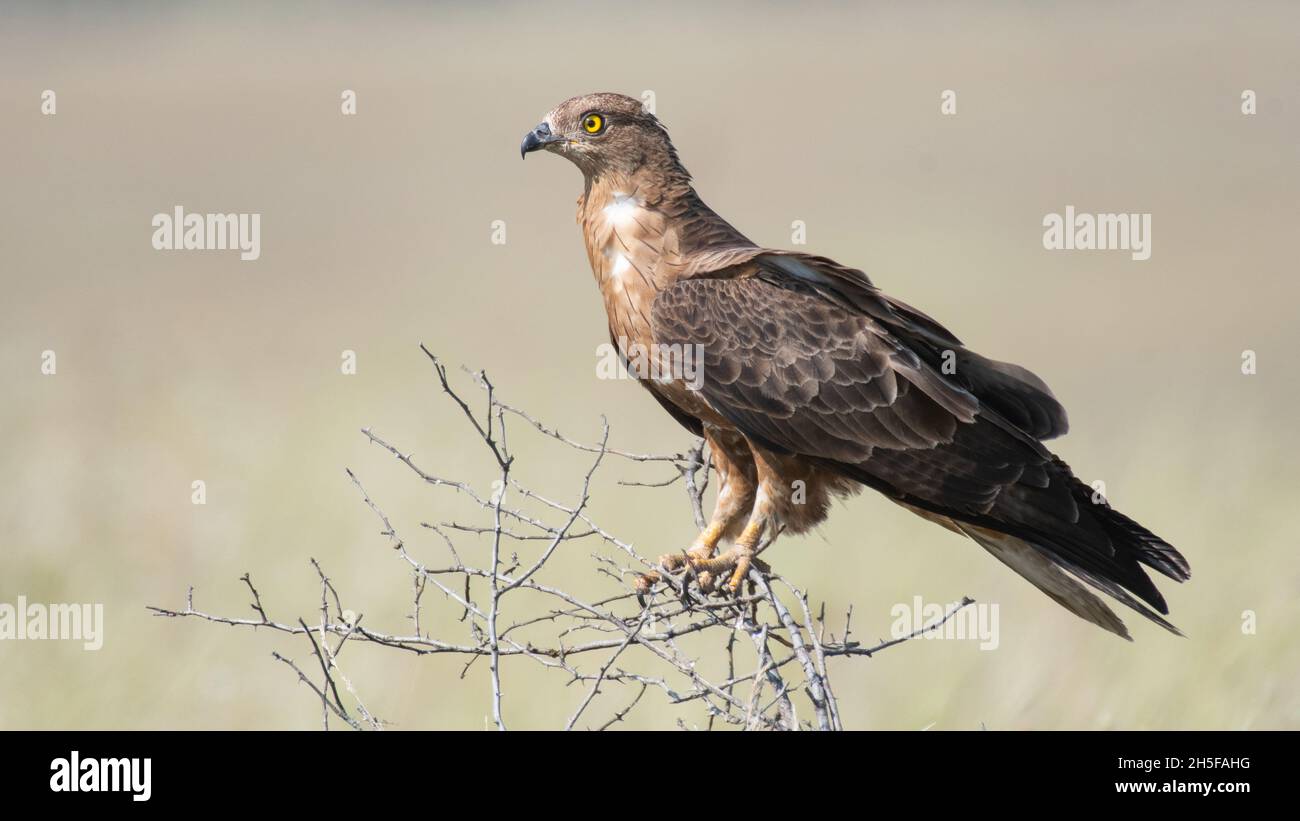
x=1147, y=547
x=1124, y=597
x=1131, y=546
x=1045, y=569
x=1106, y=550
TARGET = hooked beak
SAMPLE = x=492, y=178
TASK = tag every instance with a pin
x=538, y=138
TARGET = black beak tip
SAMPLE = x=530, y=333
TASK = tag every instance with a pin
x=535, y=139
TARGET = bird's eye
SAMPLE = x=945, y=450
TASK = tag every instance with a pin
x=593, y=123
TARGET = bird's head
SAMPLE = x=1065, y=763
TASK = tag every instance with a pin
x=602, y=133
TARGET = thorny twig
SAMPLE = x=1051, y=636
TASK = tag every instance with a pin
x=573, y=628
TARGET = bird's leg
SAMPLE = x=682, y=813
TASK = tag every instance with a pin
x=737, y=486
x=742, y=556
x=725, y=520
x=704, y=546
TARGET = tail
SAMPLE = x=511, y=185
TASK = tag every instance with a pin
x=1040, y=571
x=1046, y=564
x=1033, y=564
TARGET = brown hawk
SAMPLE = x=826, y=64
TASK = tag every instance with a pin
x=814, y=383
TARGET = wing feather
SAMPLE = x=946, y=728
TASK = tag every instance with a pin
x=802, y=373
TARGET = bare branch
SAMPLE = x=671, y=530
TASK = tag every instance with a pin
x=527, y=616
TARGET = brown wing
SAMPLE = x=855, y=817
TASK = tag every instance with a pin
x=800, y=373
x=1013, y=392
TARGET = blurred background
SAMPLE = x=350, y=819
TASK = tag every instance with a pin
x=377, y=236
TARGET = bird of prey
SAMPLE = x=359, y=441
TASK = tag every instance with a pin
x=813, y=383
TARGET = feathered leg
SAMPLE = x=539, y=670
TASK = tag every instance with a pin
x=737, y=486
x=736, y=562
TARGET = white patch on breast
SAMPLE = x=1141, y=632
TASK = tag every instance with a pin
x=622, y=211
x=621, y=265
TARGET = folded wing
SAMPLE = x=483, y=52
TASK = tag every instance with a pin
x=845, y=378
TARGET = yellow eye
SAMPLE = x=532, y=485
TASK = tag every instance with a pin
x=593, y=123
